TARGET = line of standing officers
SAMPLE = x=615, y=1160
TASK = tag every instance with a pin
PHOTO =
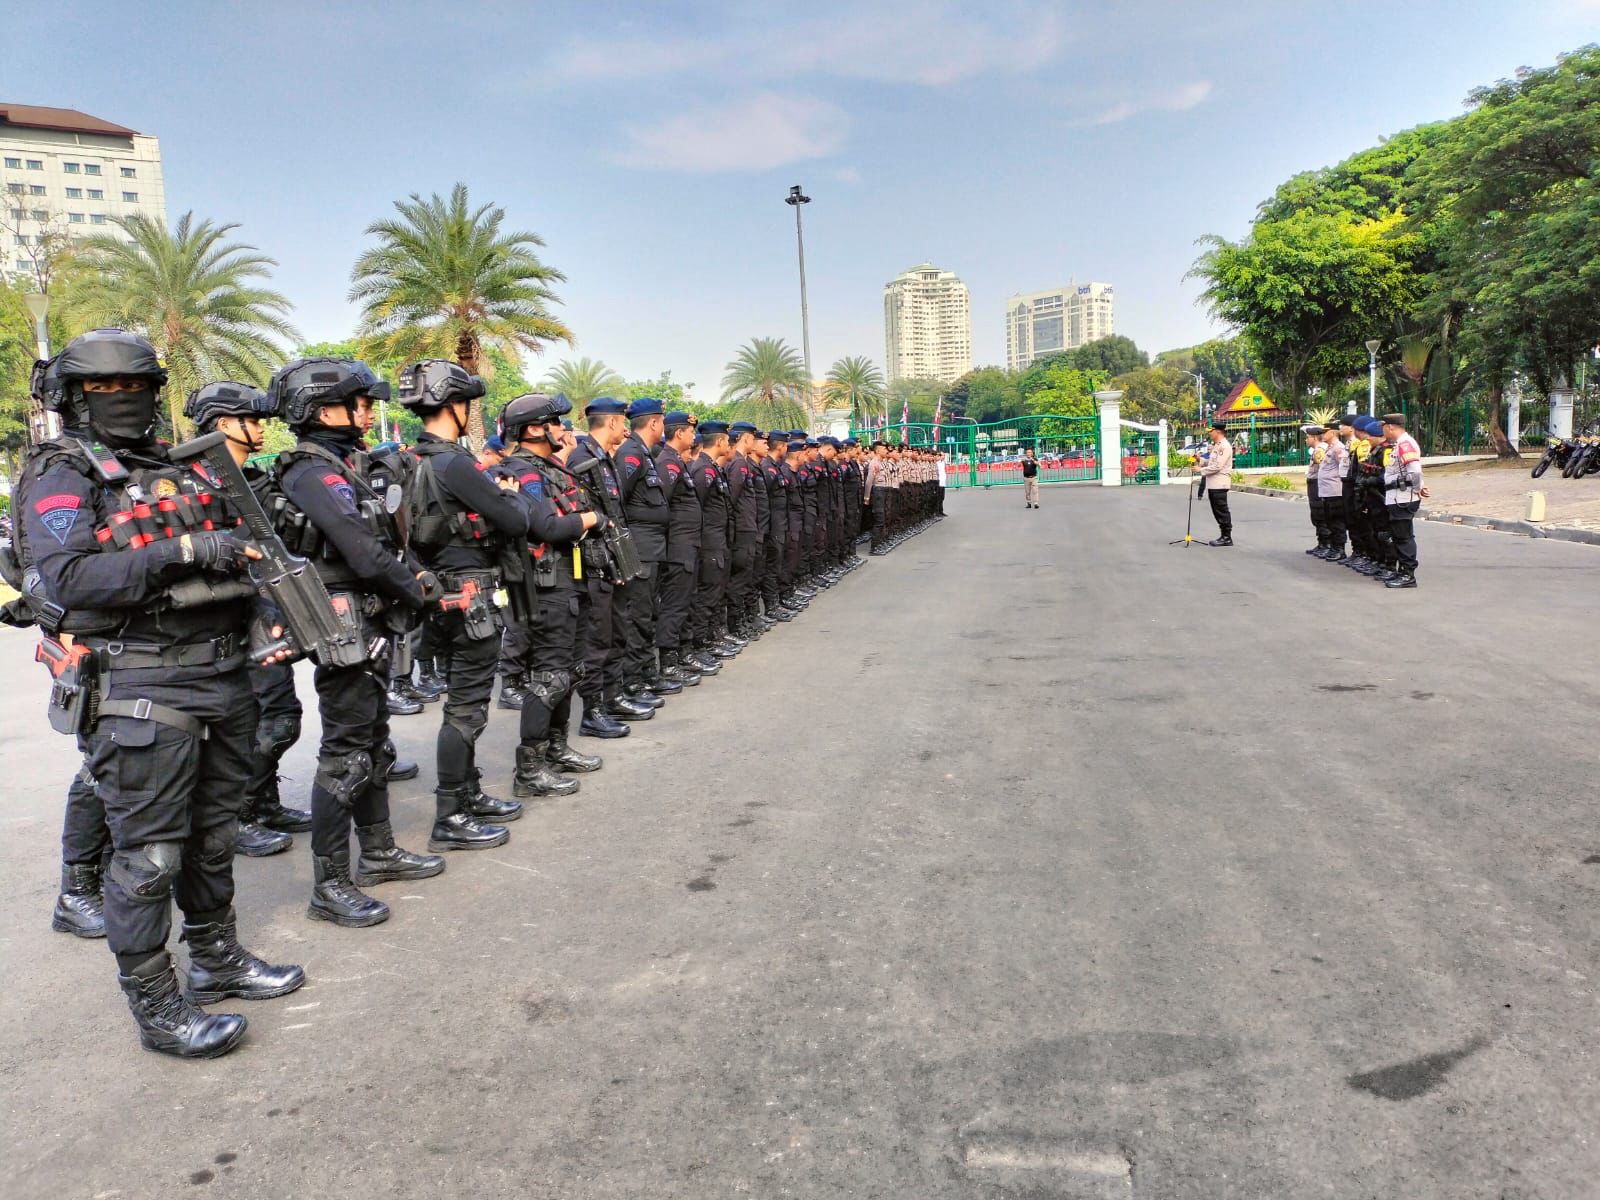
x=618, y=565
x=1364, y=484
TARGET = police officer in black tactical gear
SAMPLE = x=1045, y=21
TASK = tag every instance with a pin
x=644, y=501
x=326, y=509
x=744, y=532
x=236, y=410
x=711, y=582
x=779, y=488
x=145, y=567
x=599, y=628
x=460, y=522
x=85, y=839
x=546, y=598
x=681, y=662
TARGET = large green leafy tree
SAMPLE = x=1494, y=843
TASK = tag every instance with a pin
x=447, y=280
x=581, y=380
x=767, y=381
x=1308, y=289
x=1113, y=355
x=1054, y=387
x=985, y=394
x=194, y=294
x=16, y=366
x=857, y=384
x=1154, y=394
x=662, y=388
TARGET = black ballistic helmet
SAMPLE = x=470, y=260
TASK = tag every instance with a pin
x=533, y=408
x=45, y=385
x=98, y=354
x=301, y=389
x=226, y=399
x=433, y=383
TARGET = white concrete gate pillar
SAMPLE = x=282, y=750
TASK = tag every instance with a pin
x=1110, y=437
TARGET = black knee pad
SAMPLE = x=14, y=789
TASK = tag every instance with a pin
x=384, y=759
x=549, y=686
x=216, y=847
x=147, y=871
x=345, y=778
x=470, y=723
x=276, y=734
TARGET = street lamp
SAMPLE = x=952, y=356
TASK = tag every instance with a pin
x=1199, y=391
x=38, y=308
x=794, y=200
x=1372, y=377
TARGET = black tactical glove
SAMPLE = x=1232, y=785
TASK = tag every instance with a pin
x=432, y=589
x=220, y=550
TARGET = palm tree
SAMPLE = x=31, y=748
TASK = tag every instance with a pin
x=584, y=379
x=857, y=384
x=767, y=380
x=192, y=292
x=445, y=281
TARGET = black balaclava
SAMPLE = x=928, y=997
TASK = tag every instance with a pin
x=124, y=418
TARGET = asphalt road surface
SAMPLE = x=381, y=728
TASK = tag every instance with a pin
x=1039, y=859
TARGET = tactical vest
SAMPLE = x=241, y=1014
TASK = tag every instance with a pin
x=301, y=537
x=435, y=518
x=134, y=507
x=551, y=562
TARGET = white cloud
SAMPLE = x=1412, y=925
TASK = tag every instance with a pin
x=932, y=44
x=1190, y=95
x=755, y=133
x=847, y=175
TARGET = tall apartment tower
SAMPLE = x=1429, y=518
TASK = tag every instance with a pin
x=927, y=325
x=1040, y=323
x=61, y=169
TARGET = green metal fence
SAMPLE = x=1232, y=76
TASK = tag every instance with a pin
x=1140, y=459
x=990, y=455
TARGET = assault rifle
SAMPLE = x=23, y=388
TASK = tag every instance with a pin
x=289, y=583
x=614, y=529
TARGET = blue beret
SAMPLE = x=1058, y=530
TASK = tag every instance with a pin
x=496, y=443
x=1368, y=425
x=851, y=443
x=797, y=433
x=778, y=435
x=740, y=428
x=605, y=406
x=645, y=406
x=677, y=419
x=797, y=445
x=811, y=443
x=710, y=429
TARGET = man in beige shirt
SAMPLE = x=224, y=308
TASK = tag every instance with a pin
x=1217, y=474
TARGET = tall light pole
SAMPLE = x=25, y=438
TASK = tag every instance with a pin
x=795, y=199
x=38, y=308
x=1199, y=391
x=1372, y=377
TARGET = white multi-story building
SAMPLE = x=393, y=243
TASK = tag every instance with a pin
x=927, y=325
x=64, y=171
x=1065, y=318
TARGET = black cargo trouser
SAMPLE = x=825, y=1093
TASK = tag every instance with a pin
x=880, y=516
x=602, y=666
x=1219, y=510
x=1333, y=516
x=173, y=800
x=277, y=729
x=711, y=581
x=466, y=704
x=675, y=597
x=742, y=575
x=771, y=572
x=554, y=654
x=635, y=602
x=513, y=650
x=352, y=781
x=84, y=836
x=1314, y=502
x=1403, y=535
x=1382, y=536
x=431, y=643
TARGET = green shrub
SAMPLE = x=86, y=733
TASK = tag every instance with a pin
x=1278, y=483
x=1237, y=477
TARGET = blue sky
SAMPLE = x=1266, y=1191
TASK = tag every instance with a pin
x=1018, y=143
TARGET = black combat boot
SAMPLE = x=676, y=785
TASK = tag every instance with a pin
x=272, y=813
x=220, y=968
x=673, y=668
x=486, y=807
x=563, y=757
x=167, y=1021
x=626, y=708
x=513, y=692
x=661, y=685
x=424, y=686
x=534, y=776
x=335, y=898
x=257, y=841
x=1402, y=579
x=455, y=828
x=399, y=706
x=402, y=769
x=431, y=674
x=382, y=861
x=403, y=686
x=80, y=909
x=640, y=693
x=598, y=723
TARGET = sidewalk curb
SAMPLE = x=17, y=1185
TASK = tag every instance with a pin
x=1559, y=533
